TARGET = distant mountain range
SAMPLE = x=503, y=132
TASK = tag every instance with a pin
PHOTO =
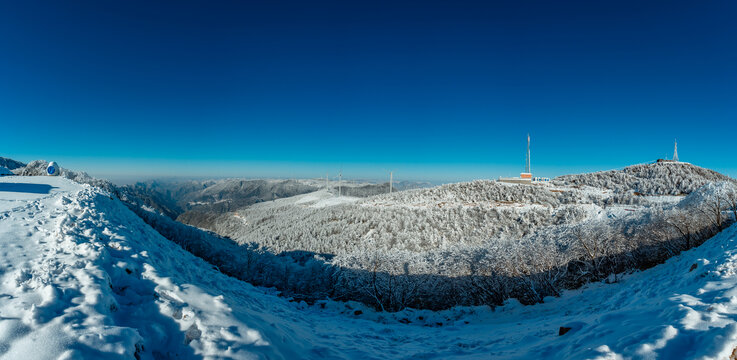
x=198, y=203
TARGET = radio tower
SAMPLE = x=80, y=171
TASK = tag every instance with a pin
x=527, y=160
x=675, y=151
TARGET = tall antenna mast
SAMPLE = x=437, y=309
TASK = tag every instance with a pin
x=391, y=180
x=675, y=151
x=527, y=160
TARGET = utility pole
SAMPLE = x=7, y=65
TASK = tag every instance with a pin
x=391, y=181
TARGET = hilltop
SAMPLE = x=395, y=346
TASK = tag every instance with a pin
x=662, y=178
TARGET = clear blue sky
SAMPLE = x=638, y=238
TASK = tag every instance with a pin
x=433, y=90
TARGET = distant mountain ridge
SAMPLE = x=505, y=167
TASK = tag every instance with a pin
x=215, y=195
x=10, y=163
x=199, y=202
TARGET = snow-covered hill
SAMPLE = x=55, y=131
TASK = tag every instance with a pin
x=10, y=163
x=479, y=242
x=83, y=277
x=664, y=178
x=199, y=203
x=469, y=213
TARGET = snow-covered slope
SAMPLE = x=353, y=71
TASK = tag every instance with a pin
x=415, y=220
x=10, y=163
x=663, y=178
x=199, y=203
x=83, y=277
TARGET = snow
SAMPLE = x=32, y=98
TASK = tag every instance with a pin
x=81, y=276
x=664, y=199
x=319, y=199
x=18, y=190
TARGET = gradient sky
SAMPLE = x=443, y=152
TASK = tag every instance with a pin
x=443, y=91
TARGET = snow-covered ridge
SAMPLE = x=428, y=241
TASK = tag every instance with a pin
x=416, y=220
x=197, y=203
x=84, y=277
x=82, y=280
x=10, y=163
x=664, y=178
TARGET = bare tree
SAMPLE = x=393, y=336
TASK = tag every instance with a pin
x=372, y=287
x=684, y=225
x=730, y=198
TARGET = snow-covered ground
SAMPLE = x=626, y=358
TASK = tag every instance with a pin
x=81, y=276
x=319, y=199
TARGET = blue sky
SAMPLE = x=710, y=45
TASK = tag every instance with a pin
x=444, y=91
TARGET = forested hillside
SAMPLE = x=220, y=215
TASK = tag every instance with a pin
x=527, y=241
x=664, y=178
x=416, y=220
x=199, y=203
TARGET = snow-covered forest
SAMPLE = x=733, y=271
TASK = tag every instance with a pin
x=481, y=242
x=472, y=243
x=417, y=220
x=200, y=202
x=663, y=178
